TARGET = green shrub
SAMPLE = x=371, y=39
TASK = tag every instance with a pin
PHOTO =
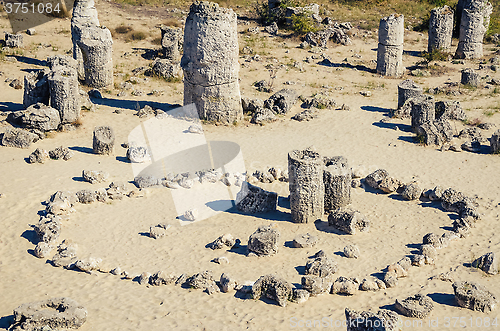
x=138, y=35
x=303, y=23
x=123, y=29
x=436, y=55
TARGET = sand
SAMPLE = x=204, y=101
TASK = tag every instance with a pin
x=116, y=231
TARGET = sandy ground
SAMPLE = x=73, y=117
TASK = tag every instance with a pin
x=114, y=231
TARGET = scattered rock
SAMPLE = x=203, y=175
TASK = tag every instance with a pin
x=191, y=215
x=348, y=220
x=304, y=240
x=351, y=251
x=144, y=278
x=43, y=249
x=316, y=285
x=300, y=295
x=474, y=296
x=138, y=154
x=343, y=285
x=18, y=138
x=488, y=263
x=263, y=115
x=372, y=284
x=61, y=153
x=48, y=229
x=95, y=176
x=223, y=241
x=272, y=287
x=252, y=199
x=321, y=267
x=38, y=156
x=227, y=283
x=385, y=320
x=282, y=101
x=86, y=196
x=88, y=265
x=417, y=306
x=221, y=260
x=264, y=241
x=146, y=181
x=411, y=192
x=389, y=184
x=50, y=314
x=375, y=178
x=162, y=278
x=158, y=231
x=204, y=281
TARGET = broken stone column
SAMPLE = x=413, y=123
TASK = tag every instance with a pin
x=470, y=77
x=423, y=110
x=478, y=5
x=390, y=46
x=337, y=179
x=104, y=140
x=64, y=93
x=171, y=42
x=307, y=191
x=408, y=89
x=474, y=23
x=36, y=88
x=96, y=46
x=84, y=14
x=440, y=29
x=210, y=63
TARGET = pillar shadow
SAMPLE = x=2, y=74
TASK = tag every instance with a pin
x=359, y=67
x=7, y=106
x=133, y=104
x=6, y=321
x=443, y=299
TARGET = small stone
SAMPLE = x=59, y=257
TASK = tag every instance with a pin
x=351, y=251
x=304, y=240
x=227, y=283
x=299, y=295
x=221, y=260
x=138, y=154
x=116, y=271
x=144, y=278
x=38, y=156
x=94, y=176
x=474, y=297
x=411, y=191
x=191, y=215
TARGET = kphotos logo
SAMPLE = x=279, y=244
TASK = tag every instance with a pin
x=179, y=152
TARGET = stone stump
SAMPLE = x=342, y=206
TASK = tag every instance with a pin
x=36, y=88
x=210, y=63
x=470, y=77
x=96, y=46
x=337, y=179
x=495, y=142
x=171, y=42
x=307, y=191
x=390, y=46
x=104, y=140
x=423, y=110
x=440, y=29
x=84, y=14
x=408, y=89
x=65, y=94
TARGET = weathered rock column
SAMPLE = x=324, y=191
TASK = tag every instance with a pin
x=474, y=23
x=469, y=77
x=390, y=46
x=337, y=178
x=36, y=88
x=408, y=89
x=210, y=63
x=84, y=14
x=423, y=110
x=440, y=29
x=307, y=191
x=96, y=45
x=171, y=42
x=64, y=93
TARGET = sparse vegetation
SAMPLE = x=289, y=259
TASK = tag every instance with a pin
x=303, y=23
x=123, y=29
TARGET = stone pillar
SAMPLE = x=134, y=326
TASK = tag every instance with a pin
x=390, y=46
x=408, y=89
x=84, y=14
x=470, y=77
x=64, y=93
x=440, y=29
x=96, y=45
x=474, y=23
x=210, y=63
x=423, y=110
x=36, y=88
x=337, y=178
x=171, y=42
x=307, y=191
